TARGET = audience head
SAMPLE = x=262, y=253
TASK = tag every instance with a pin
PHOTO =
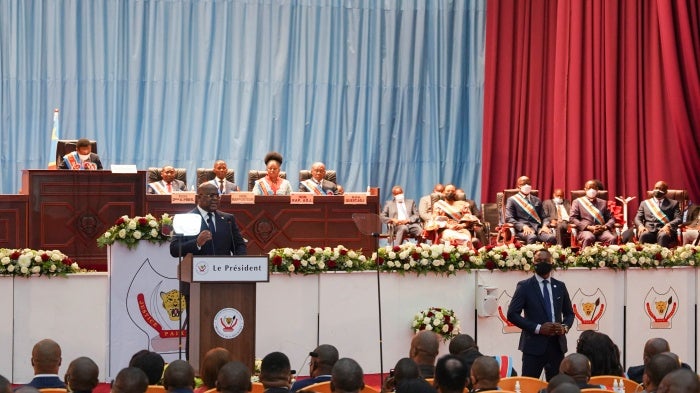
x=417, y=385
x=462, y=343
x=577, y=366
x=424, y=347
x=323, y=359
x=524, y=184
x=5, y=385
x=83, y=146
x=347, y=376
x=656, y=369
x=405, y=369
x=485, y=373
x=130, y=380
x=178, y=375
x=151, y=363
x=451, y=374
x=439, y=189
x=679, y=381
x=167, y=173
x=46, y=357
x=82, y=375
x=220, y=169
x=234, y=377
x=208, y=197
x=558, y=380
x=601, y=351
x=318, y=171
x=655, y=346
x=275, y=370
x=566, y=387
x=213, y=360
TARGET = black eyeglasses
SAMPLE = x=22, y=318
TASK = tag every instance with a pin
x=210, y=196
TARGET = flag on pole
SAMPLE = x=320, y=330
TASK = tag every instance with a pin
x=54, y=140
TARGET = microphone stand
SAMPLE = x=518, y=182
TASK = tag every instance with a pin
x=375, y=235
x=179, y=298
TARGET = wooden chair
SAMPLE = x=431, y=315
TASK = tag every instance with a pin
x=609, y=381
x=369, y=389
x=489, y=216
x=254, y=175
x=154, y=174
x=505, y=231
x=258, y=387
x=677, y=195
x=204, y=175
x=320, y=387
x=155, y=389
x=527, y=384
x=595, y=390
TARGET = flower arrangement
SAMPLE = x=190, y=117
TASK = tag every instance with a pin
x=130, y=231
x=447, y=259
x=310, y=260
x=27, y=262
x=439, y=320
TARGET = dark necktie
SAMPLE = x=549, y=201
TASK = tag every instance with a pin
x=221, y=187
x=547, y=302
x=210, y=222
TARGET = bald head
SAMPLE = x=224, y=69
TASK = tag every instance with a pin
x=130, y=380
x=82, y=375
x=178, y=375
x=462, y=343
x=347, y=376
x=680, y=381
x=46, y=357
x=424, y=347
x=234, y=377
x=576, y=366
x=655, y=346
x=485, y=373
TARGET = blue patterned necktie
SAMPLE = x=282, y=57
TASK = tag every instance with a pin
x=547, y=302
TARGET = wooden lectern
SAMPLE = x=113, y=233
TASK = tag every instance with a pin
x=222, y=304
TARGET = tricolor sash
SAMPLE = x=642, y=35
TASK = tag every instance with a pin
x=265, y=188
x=656, y=211
x=313, y=187
x=73, y=162
x=591, y=209
x=159, y=187
x=525, y=205
x=505, y=364
x=454, y=212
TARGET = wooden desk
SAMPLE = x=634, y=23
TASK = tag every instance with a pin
x=69, y=210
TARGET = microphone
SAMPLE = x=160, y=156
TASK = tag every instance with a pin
x=233, y=242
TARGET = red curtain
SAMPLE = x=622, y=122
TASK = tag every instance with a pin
x=578, y=90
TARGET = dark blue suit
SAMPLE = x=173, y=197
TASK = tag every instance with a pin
x=527, y=311
x=227, y=240
x=47, y=382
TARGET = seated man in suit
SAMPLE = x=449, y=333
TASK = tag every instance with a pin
x=484, y=375
x=590, y=215
x=525, y=213
x=558, y=210
x=402, y=213
x=323, y=359
x=82, y=375
x=658, y=218
x=691, y=235
x=425, y=204
x=317, y=184
x=167, y=184
x=46, y=360
x=82, y=158
x=219, y=181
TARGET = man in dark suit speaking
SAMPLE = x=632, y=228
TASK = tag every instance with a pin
x=219, y=233
x=541, y=307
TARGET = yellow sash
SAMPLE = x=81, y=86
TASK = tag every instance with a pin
x=656, y=211
x=529, y=209
x=453, y=212
x=590, y=208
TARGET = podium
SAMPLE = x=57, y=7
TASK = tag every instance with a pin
x=222, y=304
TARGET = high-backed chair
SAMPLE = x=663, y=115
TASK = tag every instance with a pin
x=65, y=146
x=489, y=216
x=204, y=175
x=682, y=197
x=602, y=194
x=305, y=174
x=505, y=231
x=154, y=175
x=254, y=175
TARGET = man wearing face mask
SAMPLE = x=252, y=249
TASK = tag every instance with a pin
x=658, y=218
x=558, y=210
x=403, y=214
x=541, y=307
x=593, y=220
x=524, y=211
x=82, y=158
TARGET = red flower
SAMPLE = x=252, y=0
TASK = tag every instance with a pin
x=45, y=257
x=430, y=314
x=490, y=265
x=312, y=251
x=397, y=248
x=638, y=247
x=296, y=264
x=658, y=256
x=504, y=254
x=331, y=265
x=489, y=247
x=421, y=327
x=449, y=327
x=415, y=256
x=67, y=261
x=15, y=255
x=447, y=318
x=143, y=221
x=277, y=260
x=562, y=257
x=445, y=255
x=120, y=221
x=518, y=245
x=465, y=257
x=343, y=252
x=380, y=261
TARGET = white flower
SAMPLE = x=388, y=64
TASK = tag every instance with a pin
x=321, y=265
x=36, y=269
x=11, y=268
x=304, y=262
x=75, y=266
x=132, y=224
x=154, y=232
x=290, y=267
x=24, y=261
x=37, y=259
x=137, y=235
x=153, y=224
x=122, y=233
x=5, y=260
x=23, y=270
x=445, y=328
x=348, y=263
x=52, y=268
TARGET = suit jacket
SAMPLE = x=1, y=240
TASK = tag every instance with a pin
x=229, y=187
x=177, y=185
x=551, y=208
x=392, y=211
x=47, y=382
x=517, y=216
x=329, y=188
x=668, y=206
x=528, y=300
x=94, y=158
x=425, y=208
x=581, y=218
x=227, y=240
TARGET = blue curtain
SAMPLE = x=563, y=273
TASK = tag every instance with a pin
x=385, y=92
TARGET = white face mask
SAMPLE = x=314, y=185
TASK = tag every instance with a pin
x=591, y=192
x=525, y=189
x=558, y=201
x=398, y=197
x=84, y=157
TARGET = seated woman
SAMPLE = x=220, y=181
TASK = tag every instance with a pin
x=453, y=222
x=272, y=184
